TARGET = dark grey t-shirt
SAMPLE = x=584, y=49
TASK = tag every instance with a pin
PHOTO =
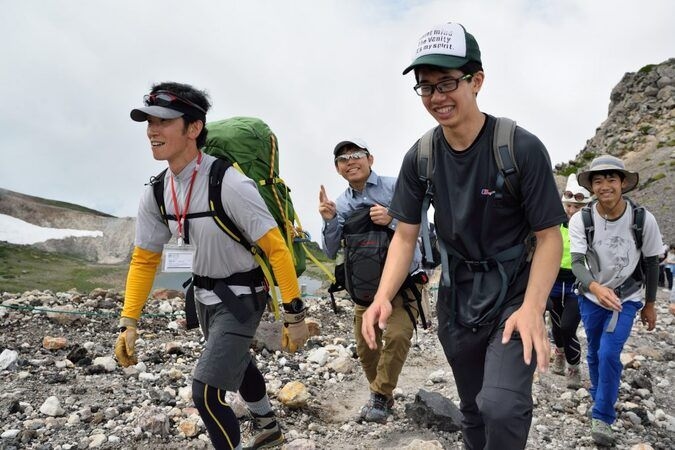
x=467, y=215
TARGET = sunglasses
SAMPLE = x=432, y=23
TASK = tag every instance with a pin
x=353, y=155
x=578, y=196
x=167, y=99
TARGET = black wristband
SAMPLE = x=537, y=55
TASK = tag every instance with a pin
x=295, y=306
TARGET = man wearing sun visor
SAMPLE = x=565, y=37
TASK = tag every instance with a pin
x=230, y=290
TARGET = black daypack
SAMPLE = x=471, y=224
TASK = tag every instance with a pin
x=365, y=252
x=365, y=245
x=637, y=227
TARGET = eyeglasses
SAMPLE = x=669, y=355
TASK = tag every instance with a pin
x=166, y=98
x=578, y=196
x=445, y=86
x=353, y=155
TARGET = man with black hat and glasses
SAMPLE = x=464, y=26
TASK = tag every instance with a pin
x=491, y=302
x=606, y=254
x=371, y=193
x=176, y=118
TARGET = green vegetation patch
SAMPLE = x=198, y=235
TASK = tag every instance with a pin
x=646, y=69
x=24, y=268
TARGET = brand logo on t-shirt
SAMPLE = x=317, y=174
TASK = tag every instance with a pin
x=487, y=192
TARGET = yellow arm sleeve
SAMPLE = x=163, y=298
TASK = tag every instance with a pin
x=142, y=270
x=274, y=246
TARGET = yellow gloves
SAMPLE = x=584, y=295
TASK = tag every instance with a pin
x=294, y=333
x=125, y=346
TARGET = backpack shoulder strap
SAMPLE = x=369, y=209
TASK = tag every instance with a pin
x=425, y=161
x=425, y=168
x=589, y=227
x=157, y=183
x=218, y=169
x=502, y=148
x=638, y=225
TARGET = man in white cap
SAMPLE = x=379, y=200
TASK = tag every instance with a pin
x=494, y=288
x=369, y=195
x=563, y=305
x=606, y=257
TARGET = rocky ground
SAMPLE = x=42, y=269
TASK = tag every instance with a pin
x=61, y=389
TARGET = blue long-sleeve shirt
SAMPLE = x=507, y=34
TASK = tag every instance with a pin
x=378, y=190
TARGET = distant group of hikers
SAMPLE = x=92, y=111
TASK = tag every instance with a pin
x=509, y=250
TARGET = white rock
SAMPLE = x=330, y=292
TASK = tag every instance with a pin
x=582, y=393
x=52, y=407
x=300, y=444
x=438, y=376
x=107, y=362
x=8, y=358
x=319, y=356
x=185, y=393
x=10, y=434
x=97, y=440
x=147, y=376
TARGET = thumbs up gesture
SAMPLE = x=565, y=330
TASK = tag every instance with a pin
x=327, y=207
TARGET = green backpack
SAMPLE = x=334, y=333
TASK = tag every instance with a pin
x=250, y=145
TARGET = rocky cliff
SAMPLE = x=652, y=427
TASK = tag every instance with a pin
x=640, y=129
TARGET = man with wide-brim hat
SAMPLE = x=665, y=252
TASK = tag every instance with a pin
x=609, y=163
x=606, y=253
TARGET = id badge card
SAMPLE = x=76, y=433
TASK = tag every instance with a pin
x=177, y=258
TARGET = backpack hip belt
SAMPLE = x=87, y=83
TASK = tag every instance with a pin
x=254, y=277
x=451, y=259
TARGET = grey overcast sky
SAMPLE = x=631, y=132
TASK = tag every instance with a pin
x=317, y=71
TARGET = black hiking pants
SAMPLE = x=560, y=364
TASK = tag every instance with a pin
x=493, y=382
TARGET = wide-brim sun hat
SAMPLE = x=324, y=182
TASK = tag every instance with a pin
x=448, y=45
x=605, y=163
x=360, y=143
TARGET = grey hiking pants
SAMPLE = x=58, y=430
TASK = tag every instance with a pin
x=493, y=382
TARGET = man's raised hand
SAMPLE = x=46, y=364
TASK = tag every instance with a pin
x=327, y=207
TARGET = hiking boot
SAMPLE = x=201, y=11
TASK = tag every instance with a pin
x=602, y=433
x=558, y=366
x=267, y=433
x=573, y=377
x=379, y=409
x=365, y=408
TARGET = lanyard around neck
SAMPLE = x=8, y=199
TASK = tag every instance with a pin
x=180, y=217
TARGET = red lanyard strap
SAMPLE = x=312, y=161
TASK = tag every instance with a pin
x=180, y=217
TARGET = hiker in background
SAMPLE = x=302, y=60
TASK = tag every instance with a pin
x=491, y=301
x=606, y=255
x=230, y=292
x=382, y=363
x=670, y=266
x=563, y=305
